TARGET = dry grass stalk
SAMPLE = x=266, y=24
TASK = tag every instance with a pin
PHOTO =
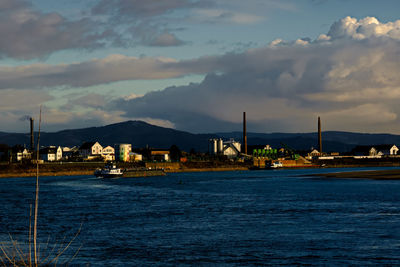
x=13, y=255
x=37, y=194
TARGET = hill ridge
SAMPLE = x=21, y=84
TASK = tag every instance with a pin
x=141, y=134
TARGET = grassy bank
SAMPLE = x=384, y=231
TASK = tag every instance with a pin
x=83, y=168
x=59, y=169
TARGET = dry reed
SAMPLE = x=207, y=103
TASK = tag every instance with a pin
x=11, y=253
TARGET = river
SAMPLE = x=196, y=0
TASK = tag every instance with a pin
x=275, y=217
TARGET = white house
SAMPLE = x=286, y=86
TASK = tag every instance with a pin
x=51, y=153
x=384, y=150
x=24, y=154
x=312, y=154
x=90, y=149
x=375, y=151
x=108, y=153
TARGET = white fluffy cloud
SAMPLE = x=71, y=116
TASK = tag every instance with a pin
x=364, y=28
x=350, y=76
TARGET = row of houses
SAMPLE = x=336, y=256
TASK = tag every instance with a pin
x=364, y=151
x=88, y=151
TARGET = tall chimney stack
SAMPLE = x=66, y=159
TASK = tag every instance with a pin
x=319, y=136
x=244, y=134
x=32, y=140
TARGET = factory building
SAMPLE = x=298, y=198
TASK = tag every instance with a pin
x=230, y=148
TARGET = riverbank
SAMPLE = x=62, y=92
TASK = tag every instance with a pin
x=374, y=175
x=74, y=169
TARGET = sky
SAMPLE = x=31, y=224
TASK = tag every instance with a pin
x=197, y=65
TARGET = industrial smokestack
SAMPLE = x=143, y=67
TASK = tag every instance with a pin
x=244, y=134
x=32, y=142
x=319, y=136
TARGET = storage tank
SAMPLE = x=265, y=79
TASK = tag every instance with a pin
x=213, y=146
x=220, y=145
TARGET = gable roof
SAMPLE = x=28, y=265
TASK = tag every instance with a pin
x=87, y=145
x=48, y=150
x=383, y=147
x=230, y=145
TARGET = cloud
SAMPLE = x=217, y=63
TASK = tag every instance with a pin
x=149, y=34
x=91, y=100
x=15, y=104
x=149, y=22
x=142, y=8
x=351, y=80
x=364, y=28
x=28, y=33
x=94, y=72
x=225, y=16
x=158, y=122
x=14, y=101
x=146, y=22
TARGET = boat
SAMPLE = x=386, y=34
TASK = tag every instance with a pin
x=274, y=165
x=109, y=171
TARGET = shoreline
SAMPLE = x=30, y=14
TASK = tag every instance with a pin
x=367, y=174
x=32, y=173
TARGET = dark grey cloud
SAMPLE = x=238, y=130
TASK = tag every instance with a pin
x=133, y=9
x=149, y=34
x=94, y=72
x=28, y=33
x=146, y=21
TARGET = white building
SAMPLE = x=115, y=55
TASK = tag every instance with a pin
x=123, y=152
x=90, y=149
x=160, y=155
x=382, y=150
x=230, y=148
x=108, y=153
x=375, y=151
x=24, y=154
x=51, y=153
x=69, y=152
x=135, y=156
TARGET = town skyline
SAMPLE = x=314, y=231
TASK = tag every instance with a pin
x=197, y=65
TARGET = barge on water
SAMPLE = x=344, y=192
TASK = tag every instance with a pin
x=143, y=172
x=109, y=171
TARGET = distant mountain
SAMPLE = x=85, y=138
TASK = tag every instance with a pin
x=137, y=133
x=141, y=134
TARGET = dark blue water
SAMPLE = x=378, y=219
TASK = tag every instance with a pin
x=222, y=218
